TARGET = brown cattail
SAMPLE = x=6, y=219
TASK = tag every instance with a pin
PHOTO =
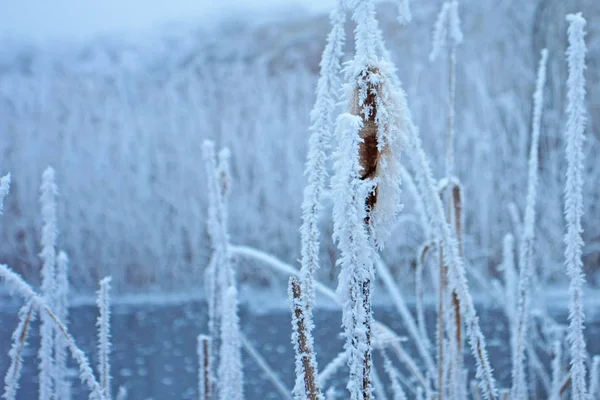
x=365, y=106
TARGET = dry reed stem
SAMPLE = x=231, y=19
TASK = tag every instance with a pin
x=91, y=381
x=310, y=384
x=425, y=251
x=419, y=291
x=458, y=322
x=566, y=385
x=206, y=381
x=457, y=205
x=22, y=339
x=440, y=332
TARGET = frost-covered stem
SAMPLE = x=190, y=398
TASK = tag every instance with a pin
x=63, y=388
x=447, y=28
x=368, y=370
x=456, y=271
x=204, y=381
x=213, y=316
x=526, y=255
x=510, y=282
x=450, y=315
x=49, y=233
x=409, y=184
x=367, y=36
x=4, y=189
x=420, y=309
x=350, y=233
x=536, y=365
x=451, y=111
x=440, y=31
x=515, y=219
x=307, y=386
x=331, y=368
x=394, y=378
x=220, y=273
x=262, y=363
x=320, y=135
x=440, y=326
x=410, y=364
x=85, y=371
x=230, y=375
x=19, y=341
x=595, y=378
x=378, y=387
x=103, y=325
x=576, y=121
x=557, y=375
x=316, y=169
x=222, y=189
x=17, y=285
x=421, y=342
x=456, y=389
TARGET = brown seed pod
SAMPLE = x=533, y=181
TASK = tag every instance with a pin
x=365, y=106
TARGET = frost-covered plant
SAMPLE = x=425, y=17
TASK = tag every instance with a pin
x=321, y=130
x=456, y=272
x=49, y=191
x=394, y=377
x=230, y=375
x=307, y=384
x=510, y=279
x=19, y=341
x=574, y=134
x=373, y=96
x=16, y=285
x=204, y=368
x=526, y=249
x=219, y=273
x=365, y=186
x=4, y=189
x=447, y=29
x=62, y=385
x=356, y=276
x=103, y=325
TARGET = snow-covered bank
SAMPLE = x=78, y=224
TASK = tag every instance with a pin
x=262, y=301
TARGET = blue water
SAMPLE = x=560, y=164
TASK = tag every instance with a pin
x=154, y=348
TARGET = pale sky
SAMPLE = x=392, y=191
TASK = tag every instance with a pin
x=47, y=21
